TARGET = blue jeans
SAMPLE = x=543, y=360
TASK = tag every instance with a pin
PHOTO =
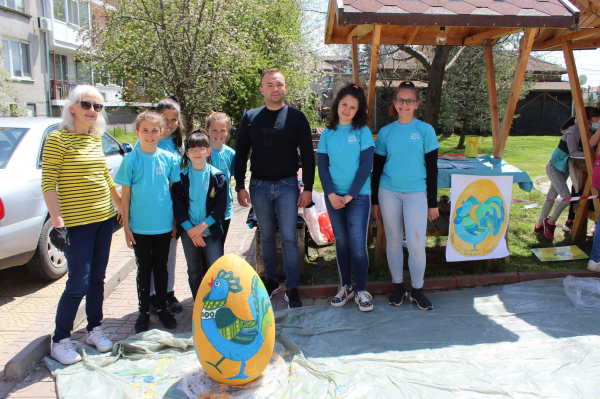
x=350, y=226
x=87, y=257
x=595, y=255
x=194, y=256
x=281, y=196
x=405, y=212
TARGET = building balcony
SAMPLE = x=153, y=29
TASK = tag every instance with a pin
x=60, y=89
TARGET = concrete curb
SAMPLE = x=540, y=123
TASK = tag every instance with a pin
x=23, y=362
x=450, y=283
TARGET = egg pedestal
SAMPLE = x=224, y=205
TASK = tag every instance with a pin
x=233, y=322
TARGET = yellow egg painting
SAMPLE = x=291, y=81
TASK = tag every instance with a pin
x=479, y=219
x=233, y=322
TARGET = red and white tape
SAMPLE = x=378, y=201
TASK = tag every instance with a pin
x=588, y=197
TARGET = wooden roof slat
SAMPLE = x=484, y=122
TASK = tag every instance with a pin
x=574, y=36
x=489, y=35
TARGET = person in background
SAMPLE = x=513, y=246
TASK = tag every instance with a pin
x=558, y=169
x=222, y=157
x=147, y=175
x=200, y=201
x=404, y=186
x=81, y=197
x=345, y=159
x=274, y=132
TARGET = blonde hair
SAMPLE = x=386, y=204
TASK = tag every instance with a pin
x=82, y=92
x=218, y=117
x=150, y=116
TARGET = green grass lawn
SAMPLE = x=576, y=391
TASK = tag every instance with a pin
x=530, y=153
x=122, y=136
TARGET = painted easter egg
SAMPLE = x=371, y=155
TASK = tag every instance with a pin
x=479, y=219
x=233, y=322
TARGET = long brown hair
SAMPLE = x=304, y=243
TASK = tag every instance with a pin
x=172, y=105
x=590, y=112
x=360, y=118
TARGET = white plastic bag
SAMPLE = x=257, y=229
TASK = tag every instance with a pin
x=317, y=220
x=583, y=291
x=319, y=200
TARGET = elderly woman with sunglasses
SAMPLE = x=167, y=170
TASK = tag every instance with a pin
x=79, y=193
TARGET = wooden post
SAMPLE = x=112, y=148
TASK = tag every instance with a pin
x=584, y=130
x=355, y=77
x=515, y=90
x=492, y=94
x=373, y=74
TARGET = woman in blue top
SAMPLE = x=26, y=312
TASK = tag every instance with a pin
x=557, y=169
x=171, y=141
x=404, y=185
x=345, y=158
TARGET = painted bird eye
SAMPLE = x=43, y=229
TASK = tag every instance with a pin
x=218, y=283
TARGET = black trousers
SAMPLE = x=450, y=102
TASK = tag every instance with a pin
x=225, y=225
x=151, y=256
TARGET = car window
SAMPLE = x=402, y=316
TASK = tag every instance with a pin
x=110, y=146
x=9, y=139
x=46, y=134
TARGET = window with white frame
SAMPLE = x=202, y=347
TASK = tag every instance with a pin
x=16, y=58
x=75, y=12
x=18, y=5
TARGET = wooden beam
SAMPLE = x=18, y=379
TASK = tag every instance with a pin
x=412, y=32
x=488, y=35
x=330, y=22
x=492, y=93
x=355, y=76
x=588, y=44
x=417, y=40
x=557, y=42
x=373, y=73
x=515, y=90
x=359, y=31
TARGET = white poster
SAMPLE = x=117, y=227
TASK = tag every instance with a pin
x=478, y=217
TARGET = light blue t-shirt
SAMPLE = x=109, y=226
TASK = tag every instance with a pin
x=149, y=175
x=405, y=146
x=343, y=146
x=224, y=160
x=167, y=145
x=199, y=183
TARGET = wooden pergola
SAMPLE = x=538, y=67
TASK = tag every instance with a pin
x=546, y=25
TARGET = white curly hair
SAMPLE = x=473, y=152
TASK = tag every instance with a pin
x=83, y=92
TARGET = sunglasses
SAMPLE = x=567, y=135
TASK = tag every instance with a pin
x=85, y=105
x=402, y=101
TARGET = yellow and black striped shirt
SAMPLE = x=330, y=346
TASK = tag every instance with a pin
x=74, y=166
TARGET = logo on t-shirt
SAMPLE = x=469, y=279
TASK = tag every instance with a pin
x=159, y=170
x=223, y=165
x=352, y=139
x=206, y=186
x=415, y=136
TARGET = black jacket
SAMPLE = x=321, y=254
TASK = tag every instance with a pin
x=216, y=204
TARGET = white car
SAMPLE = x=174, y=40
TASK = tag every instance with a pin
x=24, y=220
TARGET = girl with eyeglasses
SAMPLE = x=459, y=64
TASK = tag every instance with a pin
x=404, y=186
x=81, y=197
x=199, y=202
x=171, y=141
x=345, y=159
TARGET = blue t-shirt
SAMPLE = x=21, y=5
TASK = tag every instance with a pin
x=405, y=146
x=199, y=183
x=149, y=175
x=224, y=160
x=167, y=145
x=343, y=146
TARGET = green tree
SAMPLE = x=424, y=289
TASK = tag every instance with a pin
x=207, y=53
x=9, y=92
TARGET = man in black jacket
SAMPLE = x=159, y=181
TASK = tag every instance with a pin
x=275, y=131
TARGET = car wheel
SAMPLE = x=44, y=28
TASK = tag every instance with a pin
x=48, y=262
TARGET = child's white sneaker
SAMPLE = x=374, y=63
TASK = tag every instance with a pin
x=99, y=338
x=64, y=352
x=593, y=266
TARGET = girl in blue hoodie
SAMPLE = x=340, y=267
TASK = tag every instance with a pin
x=557, y=169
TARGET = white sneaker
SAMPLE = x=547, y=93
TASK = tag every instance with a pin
x=99, y=338
x=64, y=352
x=363, y=300
x=593, y=266
x=342, y=296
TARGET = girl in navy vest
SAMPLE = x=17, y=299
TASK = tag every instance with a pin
x=199, y=202
x=345, y=159
x=557, y=169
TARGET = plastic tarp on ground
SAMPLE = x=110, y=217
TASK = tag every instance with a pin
x=521, y=340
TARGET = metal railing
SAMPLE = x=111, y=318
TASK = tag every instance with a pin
x=62, y=88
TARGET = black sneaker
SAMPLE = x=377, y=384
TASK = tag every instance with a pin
x=172, y=303
x=292, y=298
x=272, y=287
x=153, y=305
x=142, y=322
x=167, y=319
x=397, y=297
x=418, y=296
